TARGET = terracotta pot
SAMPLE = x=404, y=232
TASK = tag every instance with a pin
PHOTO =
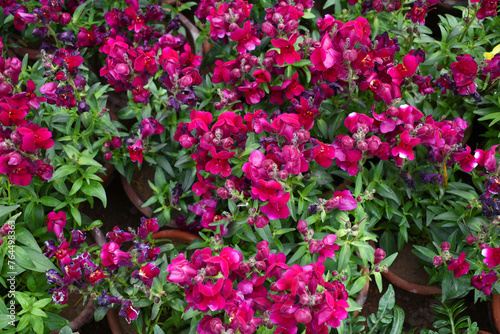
x=85, y=316
x=407, y=285
x=20, y=52
x=173, y=235
x=495, y=311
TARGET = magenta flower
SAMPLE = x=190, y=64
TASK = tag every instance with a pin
x=484, y=282
x=459, y=266
x=264, y=190
x=137, y=21
x=18, y=170
x=325, y=56
x=64, y=254
x=405, y=146
x=147, y=273
x=209, y=325
x=135, y=151
x=287, y=52
x=200, y=120
x=487, y=158
x=29, y=97
x=180, y=270
x=349, y=160
x=286, y=125
x=147, y=226
x=56, y=223
x=33, y=137
x=128, y=311
x=492, y=256
x=219, y=162
x=277, y=207
x=354, y=121
x=343, y=200
x=246, y=40
x=404, y=70
x=112, y=257
x=253, y=94
x=229, y=259
x=204, y=186
x=464, y=72
x=292, y=87
x=118, y=236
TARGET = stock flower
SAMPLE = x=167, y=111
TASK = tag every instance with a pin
x=112, y=257
x=484, y=282
x=405, y=147
x=277, y=207
x=56, y=223
x=459, y=266
x=464, y=71
x=219, y=162
x=128, y=311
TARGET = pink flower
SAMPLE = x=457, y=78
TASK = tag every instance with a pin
x=264, y=190
x=180, y=271
x=137, y=21
x=118, y=236
x=253, y=94
x=147, y=273
x=277, y=207
x=147, y=226
x=459, y=266
x=246, y=40
x=484, y=282
x=135, y=151
x=354, y=121
x=112, y=257
x=464, y=72
x=343, y=200
x=128, y=311
x=56, y=223
x=292, y=87
x=286, y=125
x=492, y=256
x=64, y=254
x=405, y=146
x=287, y=52
x=487, y=158
x=209, y=325
x=200, y=120
x=405, y=70
x=219, y=162
x=349, y=160
x=325, y=248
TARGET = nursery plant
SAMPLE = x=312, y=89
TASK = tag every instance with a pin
x=307, y=131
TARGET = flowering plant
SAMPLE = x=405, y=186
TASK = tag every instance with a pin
x=292, y=101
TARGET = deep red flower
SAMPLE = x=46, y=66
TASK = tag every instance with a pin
x=118, y=236
x=148, y=225
x=219, y=162
x=64, y=254
x=484, y=282
x=137, y=21
x=404, y=70
x=147, y=273
x=464, y=71
x=135, y=151
x=128, y=311
x=96, y=276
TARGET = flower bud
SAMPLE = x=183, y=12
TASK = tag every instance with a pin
x=116, y=142
x=236, y=73
x=107, y=156
x=437, y=260
x=64, y=18
x=470, y=239
x=223, y=193
x=6, y=228
x=379, y=256
x=350, y=55
x=269, y=30
x=347, y=143
x=261, y=221
x=363, y=146
x=283, y=174
x=304, y=299
x=445, y=246
x=229, y=185
x=302, y=227
x=250, y=220
x=392, y=111
x=233, y=26
x=260, y=265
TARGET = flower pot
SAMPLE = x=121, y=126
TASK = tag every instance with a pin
x=404, y=283
x=495, y=311
x=363, y=294
x=83, y=317
x=20, y=52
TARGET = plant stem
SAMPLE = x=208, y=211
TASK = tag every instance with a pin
x=469, y=23
x=445, y=174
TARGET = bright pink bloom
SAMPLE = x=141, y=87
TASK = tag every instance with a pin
x=253, y=93
x=405, y=70
x=219, y=162
x=292, y=87
x=147, y=273
x=286, y=125
x=492, y=256
x=264, y=190
x=459, y=266
x=64, y=254
x=200, y=120
x=137, y=21
x=277, y=207
x=343, y=200
x=135, y=151
x=149, y=225
x=128, y=311
x=204, y=186
x=181, y=271
x=56, y=223
x=487, y=158
x=354, y=121
x=246, y=40
x=33, y=137
x=287, y=52
x=349, y=160
x=405, y=146
x=464, y=72
x=112, y=257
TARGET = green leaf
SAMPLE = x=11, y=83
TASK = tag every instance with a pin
x=321, y=177
x=386, y=302
x=77, y=216
x=163, y=162
x=66, y=330
x=24, y=237
x=298, y=254
x=358, y=285
x=50, y=201
x=100, y=313
x=25, y=320
x=449, y=215
x=385, y=191
x=378, y=280
x=95, y=189
x=7, y=209
x=78, y=11
x=158, y=330
x=397, y=320
x=63, y=171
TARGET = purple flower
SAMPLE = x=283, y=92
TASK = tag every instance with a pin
x=128, y=311
x=484, y=282
x=147, y=226
x=77, y=238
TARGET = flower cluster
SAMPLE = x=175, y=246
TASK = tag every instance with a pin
x=264, y=291
x=21, y=141
x=89, y=272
